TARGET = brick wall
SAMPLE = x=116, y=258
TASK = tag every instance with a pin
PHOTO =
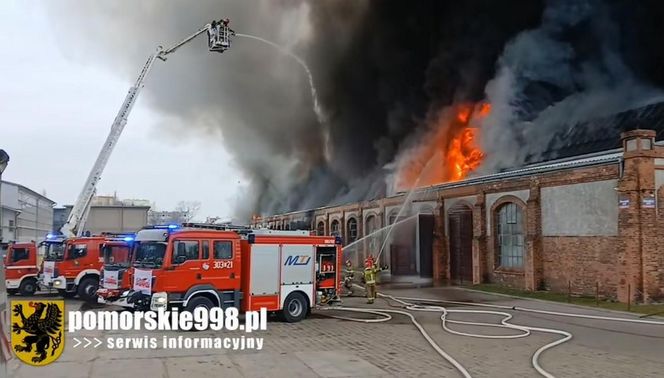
x=581, y=261
x=634, y=258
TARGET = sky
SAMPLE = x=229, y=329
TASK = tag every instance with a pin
x=55, y=113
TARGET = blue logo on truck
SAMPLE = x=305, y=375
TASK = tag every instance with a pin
x=297, y=260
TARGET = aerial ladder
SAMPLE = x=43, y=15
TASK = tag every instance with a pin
x=219, y=40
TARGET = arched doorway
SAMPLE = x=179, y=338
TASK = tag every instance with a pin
x=460, y=219
x=402, y=257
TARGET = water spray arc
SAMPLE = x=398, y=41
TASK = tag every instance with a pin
x=378, y=231
x=320, y=115
x=405, y=203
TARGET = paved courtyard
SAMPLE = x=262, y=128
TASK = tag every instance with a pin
x=325, y=347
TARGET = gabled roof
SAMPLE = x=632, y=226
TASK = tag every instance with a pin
x=25, y=188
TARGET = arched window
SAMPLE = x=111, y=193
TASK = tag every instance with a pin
x=351, y=229
x=370, y=225
x=510, y=233
x=335, y=228
x=320, y=228
x=287, y=226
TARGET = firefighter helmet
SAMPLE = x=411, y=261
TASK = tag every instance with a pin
x=369, y=262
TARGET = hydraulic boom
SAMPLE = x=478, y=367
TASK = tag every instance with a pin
x=218, y=41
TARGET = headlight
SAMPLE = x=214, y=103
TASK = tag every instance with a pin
x=58, y=283
x=159, y=300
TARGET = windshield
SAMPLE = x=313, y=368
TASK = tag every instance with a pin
x=117, y=255
x=149, y=254
x=54, y=251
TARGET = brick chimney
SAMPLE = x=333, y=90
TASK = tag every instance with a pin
x=641, y=259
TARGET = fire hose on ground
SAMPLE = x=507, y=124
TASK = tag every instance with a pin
x=504, y=323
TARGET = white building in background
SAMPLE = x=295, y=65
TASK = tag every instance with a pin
x=9, y=219
x=26, y=214
x=109, y=214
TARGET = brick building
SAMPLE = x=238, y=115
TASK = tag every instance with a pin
x=593, y=215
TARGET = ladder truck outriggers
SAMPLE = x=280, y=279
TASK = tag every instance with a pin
x=285, y=272
x=219, y=40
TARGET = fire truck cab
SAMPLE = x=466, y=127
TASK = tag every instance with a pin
x=194, y=267
x=73, y=267
x=21, y=269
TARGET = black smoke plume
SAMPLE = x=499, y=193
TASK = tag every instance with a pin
x=381, y=68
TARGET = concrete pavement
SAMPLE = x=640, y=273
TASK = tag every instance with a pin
x=324, y=347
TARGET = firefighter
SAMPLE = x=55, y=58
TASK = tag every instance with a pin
x=370, y=273
x=349, y=275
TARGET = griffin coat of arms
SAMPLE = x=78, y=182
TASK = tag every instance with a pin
x=37, y=337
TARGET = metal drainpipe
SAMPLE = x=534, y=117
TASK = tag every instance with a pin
x=37, y=219
x=16, y=214
x=621, y=164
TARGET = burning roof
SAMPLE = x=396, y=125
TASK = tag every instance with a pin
x=449, y=151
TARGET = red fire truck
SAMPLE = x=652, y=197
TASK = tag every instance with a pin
x=72, y=266
x=287, y=272
x=21, y=269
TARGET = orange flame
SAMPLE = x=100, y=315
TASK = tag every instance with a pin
x=449, y=152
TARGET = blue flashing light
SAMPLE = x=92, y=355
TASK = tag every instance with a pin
x=169, y=227
x=128, y=239
x=50, y=236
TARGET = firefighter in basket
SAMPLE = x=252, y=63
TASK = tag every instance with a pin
x=369, y=278
x=349, y=276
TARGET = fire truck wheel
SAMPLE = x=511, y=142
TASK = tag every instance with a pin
x=199, y=301
x=295, y=308
x=87, y=289
x=28, y=286
x=196, y=302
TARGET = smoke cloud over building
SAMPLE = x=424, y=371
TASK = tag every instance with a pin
x=390, y=75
